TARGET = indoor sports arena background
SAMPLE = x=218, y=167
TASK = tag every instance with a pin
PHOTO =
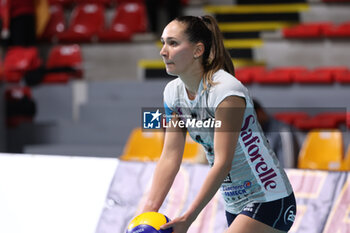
x=74, y=154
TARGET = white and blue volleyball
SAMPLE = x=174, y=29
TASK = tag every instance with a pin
x=149, y=222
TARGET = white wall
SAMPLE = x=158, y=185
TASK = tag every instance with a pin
x=40, y=194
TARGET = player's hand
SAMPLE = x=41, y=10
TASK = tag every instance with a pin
x=179, y=225
x=5, y=34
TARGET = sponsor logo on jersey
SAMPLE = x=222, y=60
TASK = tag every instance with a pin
x=265, y=173
x=247, y=184
x=249, y=207
x=236, y=190
x=227, y=179
x=289, y=215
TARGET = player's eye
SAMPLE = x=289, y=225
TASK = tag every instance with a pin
x=173, y=43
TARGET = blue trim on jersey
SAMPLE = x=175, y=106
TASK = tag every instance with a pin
x=168, y=112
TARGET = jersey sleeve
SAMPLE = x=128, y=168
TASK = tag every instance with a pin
x=168, y=100
x=226, y=85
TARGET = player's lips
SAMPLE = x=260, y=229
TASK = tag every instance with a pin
x=168, y=63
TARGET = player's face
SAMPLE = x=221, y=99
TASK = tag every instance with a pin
x=177, y=51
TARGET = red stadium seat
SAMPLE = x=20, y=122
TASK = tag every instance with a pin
x=307, y=30
x=315, y=123
x=281, y=75
x=86, y=21
x=56, y=24
x=320, y=75
x=20, y=107
x=342, y=77
x=63, y=56
x=130, y=18
x=337, y=117
x=18, y=60
x=183, y=2
x=290, y=117
x=61, y=2
x=17, y=92
x=104, y=2
x=324, y=120
x=128, y=1
x=342, y=30
x=133, y=15
x=247, y=74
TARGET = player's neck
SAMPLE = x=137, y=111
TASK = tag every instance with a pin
x=192, y=82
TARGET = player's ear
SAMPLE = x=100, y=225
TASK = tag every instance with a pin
x=198, y=50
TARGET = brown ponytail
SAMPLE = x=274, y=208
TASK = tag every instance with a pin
x=206, y=30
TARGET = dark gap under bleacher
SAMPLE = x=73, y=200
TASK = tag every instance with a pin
x=242, y=35
x=241, y=53
x=265, y=17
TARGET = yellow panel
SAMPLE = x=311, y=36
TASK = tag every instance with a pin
x=243, y=43
x=151, y=64
x=346, y=162
x=42, y=12
x=143, y=146
x=159, y=64
x=266, y=8
x=253, y=26
x=247, y=62
x=229, y=44
x=322, y=150
x=147, y=146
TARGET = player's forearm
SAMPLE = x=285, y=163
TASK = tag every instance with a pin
x=163, y=178
x=209, y=188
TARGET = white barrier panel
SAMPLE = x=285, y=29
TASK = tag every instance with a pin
x=41, y=194
x=323, y=199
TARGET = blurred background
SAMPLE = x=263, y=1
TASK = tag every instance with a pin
x=75, y=75
x=76, y=84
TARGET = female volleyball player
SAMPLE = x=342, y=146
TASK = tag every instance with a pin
x=257, y=193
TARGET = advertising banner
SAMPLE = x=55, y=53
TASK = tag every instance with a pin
x=323, y=199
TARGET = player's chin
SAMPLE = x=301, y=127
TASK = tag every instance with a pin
x=171, y=72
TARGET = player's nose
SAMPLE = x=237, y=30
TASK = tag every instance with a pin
x=164, y=52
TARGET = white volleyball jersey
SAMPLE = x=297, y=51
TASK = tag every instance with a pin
x=256, y=175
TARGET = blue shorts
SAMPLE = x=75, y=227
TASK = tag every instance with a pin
x=279, y=214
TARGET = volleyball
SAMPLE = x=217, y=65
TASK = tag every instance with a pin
x=149, y=222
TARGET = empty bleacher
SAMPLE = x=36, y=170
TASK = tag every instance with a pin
x=289, y=75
